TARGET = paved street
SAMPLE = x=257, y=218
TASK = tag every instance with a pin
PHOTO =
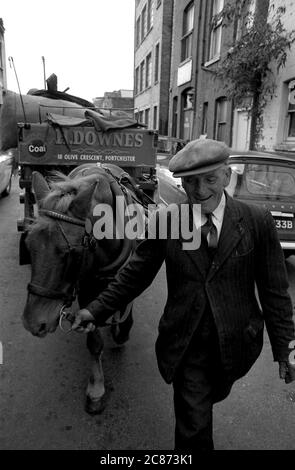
x=43, y=380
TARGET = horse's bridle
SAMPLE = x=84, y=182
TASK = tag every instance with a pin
x=40, y=291
x=88, y=243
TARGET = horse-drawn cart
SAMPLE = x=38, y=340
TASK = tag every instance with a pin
x=54, y=131
x=63, y=143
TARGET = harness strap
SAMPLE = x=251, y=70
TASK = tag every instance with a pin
x=59, y=216
x=47, y=293
x=116, y=187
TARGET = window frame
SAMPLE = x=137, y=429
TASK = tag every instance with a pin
x=215, y=39
x=141, y=76
x=150, y=16
x=218, y=121
x=137, y=73
x=147, y=116
x=157, y=62
x=141, y=116
x=187, y=34
x=205, y=118
x=138, y=32
x=148, y=70
x=155, y=117
x=143, y=23
x=290, y=112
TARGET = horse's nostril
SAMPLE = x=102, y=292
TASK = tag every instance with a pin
x=42, y=328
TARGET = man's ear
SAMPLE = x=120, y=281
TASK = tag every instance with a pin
x=227, y=176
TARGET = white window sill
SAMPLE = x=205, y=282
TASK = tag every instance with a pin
x=185, y=61
x=212, y=61
x=287, y=146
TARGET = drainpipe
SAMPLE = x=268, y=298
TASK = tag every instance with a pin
x=196, y=104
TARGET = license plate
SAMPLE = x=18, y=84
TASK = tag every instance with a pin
x=284, y=224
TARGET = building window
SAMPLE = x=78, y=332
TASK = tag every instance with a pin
x=141, y=76
x=147, y=116
x=215, y=37
x=157, y=57
x=245, y=19
x=143, y=23
x=148, y=71
x=149, y=14
x=137, y=84
x=137, y=33
x=155, y=118
x=186, y=115
x=187, y=32
x=174, y=116
x=291, y=118
x=290, y=123
x=140, y=117
x=220, y=119
x=205, y=119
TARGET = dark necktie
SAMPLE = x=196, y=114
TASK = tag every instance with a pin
x=209, y=228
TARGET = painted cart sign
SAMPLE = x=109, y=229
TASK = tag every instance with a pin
x=43, y=144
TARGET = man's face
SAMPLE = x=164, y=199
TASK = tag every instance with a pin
x=207, y=188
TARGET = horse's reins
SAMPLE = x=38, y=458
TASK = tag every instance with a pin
x=87, y=241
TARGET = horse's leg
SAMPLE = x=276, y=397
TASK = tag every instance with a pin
x=120, y=331
x=95, y=388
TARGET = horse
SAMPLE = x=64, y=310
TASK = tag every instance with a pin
x=68, y=261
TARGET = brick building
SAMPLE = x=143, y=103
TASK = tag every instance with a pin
x=152, y=58
x=194, y=103
x=118, y=100
x=183, y=70
x=198, y=104
x=279, y=113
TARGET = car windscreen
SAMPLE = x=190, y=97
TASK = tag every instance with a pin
x=261, y=180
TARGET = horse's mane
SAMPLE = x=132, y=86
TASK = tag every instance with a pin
x=63, y=190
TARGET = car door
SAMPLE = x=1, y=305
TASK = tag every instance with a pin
x=269, y=183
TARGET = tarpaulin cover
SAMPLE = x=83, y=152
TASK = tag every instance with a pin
x=118, y=120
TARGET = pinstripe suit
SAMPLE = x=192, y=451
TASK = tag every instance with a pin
x=213, y=305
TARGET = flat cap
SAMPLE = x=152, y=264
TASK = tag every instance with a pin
x=199, y=156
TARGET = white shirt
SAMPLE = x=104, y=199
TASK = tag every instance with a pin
x=217, y=217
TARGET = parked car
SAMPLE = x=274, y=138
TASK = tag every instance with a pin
x=266, y=179
x=6, y=172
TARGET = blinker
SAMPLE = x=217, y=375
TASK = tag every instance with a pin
x=89, y=241
x=88, y=226
x=24, y=254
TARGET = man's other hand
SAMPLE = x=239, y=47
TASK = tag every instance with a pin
x=287, y=371
x=83, y=321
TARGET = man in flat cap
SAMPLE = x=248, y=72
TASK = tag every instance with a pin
x=211, y=332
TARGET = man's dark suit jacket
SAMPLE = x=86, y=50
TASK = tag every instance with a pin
x=248, y=254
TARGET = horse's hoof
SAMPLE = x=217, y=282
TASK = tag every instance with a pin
x=94, y=407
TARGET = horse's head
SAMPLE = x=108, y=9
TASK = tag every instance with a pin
x=55, y=244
